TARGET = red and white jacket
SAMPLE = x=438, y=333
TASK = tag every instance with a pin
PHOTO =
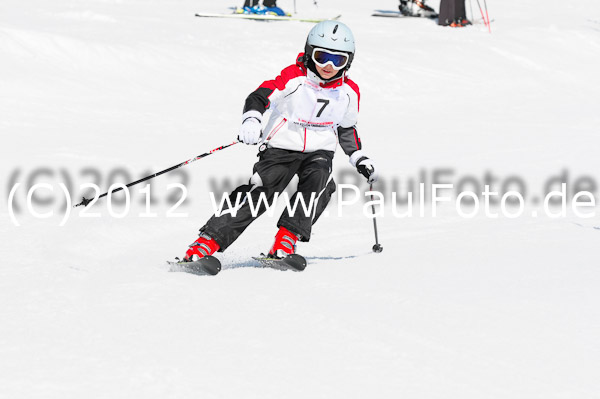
x=307, y=113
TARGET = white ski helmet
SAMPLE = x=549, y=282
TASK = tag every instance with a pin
x=329, y=35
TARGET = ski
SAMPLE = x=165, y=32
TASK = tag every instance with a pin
x=207, y=266
x=292, y=262
x=211, y=266
x=265, y=17
x=398, y=14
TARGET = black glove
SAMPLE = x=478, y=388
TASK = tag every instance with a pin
x=366, y=168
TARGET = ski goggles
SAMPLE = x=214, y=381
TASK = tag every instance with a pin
x=322, y=57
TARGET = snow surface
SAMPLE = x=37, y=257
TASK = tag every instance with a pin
x=452, y=308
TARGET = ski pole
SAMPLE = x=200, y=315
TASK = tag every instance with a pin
x=481, y=10
x=471, y=8
x=377, y=247
x=487, y=16
x=84, y=202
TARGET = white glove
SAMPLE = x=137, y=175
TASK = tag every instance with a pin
x=251, y=129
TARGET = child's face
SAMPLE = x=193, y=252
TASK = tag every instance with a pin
x=327, y=72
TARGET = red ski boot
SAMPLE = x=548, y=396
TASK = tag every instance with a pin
x=203, y=246
x=285, y=244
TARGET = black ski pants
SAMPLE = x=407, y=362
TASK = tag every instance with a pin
x=451, y=10
x=272, y=173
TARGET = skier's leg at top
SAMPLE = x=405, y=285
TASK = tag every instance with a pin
x=416, y=8
x=403, y=7
x=424, y=10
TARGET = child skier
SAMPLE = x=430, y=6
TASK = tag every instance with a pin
x=314, y=107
